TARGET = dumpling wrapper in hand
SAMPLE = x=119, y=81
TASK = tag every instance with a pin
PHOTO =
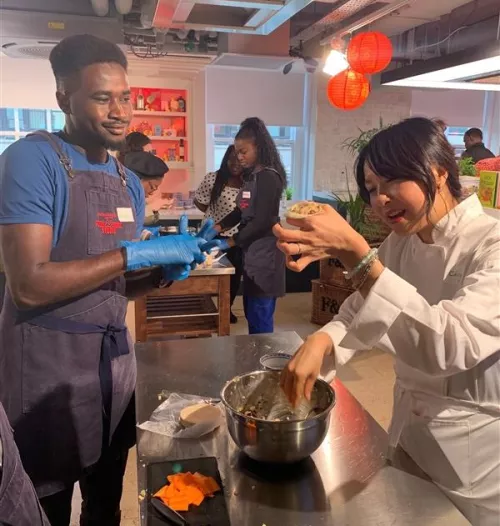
x=201, y=413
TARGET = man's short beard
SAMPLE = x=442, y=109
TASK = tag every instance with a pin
x=113, y=145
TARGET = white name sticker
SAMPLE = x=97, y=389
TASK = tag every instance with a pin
x=125, y=215
x=246, y=195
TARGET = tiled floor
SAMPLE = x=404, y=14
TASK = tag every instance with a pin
x=369, y=376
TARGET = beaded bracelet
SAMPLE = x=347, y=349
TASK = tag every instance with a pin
x=366, y=273
x=372, y=254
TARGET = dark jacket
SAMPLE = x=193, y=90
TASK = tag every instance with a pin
x=478, y=152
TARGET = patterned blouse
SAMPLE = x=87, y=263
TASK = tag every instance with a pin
x=224, y=205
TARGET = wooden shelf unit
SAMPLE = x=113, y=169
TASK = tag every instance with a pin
x=146, y=113
x=154, y=121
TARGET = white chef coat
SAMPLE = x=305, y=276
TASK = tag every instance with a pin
x=436, y=309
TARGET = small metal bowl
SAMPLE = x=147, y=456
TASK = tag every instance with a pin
x=275, y=361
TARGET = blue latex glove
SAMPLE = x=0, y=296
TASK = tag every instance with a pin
x=207, y=230
x=154, y=230
x=176, y=272
x=204, y=234
x=207, y=233
x=223, y=245
x=181, y=249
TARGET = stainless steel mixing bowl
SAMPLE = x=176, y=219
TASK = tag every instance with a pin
x=275, y=441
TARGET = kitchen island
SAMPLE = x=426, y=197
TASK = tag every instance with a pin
x=347, y=482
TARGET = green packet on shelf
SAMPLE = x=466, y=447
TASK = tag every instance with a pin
x=488, y=188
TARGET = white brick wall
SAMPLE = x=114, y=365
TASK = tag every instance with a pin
x=335, y=126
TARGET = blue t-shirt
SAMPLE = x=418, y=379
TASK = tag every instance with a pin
x=34, y=185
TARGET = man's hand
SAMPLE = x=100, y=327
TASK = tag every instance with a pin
x=181, y=249
x=208, y=230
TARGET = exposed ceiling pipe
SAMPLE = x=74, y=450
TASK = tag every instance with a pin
x=101, y=7
x=366, y=20
x=340, y=11
x=123, y=6
x=459, y=38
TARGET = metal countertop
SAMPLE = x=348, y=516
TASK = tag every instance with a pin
x=347, y=482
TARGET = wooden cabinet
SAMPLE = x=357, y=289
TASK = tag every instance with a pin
x=198, y=306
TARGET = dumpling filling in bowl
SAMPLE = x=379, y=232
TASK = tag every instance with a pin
x=303, y=209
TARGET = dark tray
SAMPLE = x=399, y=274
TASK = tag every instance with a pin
x=212, y=512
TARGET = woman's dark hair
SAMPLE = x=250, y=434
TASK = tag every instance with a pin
x=409, y=151
x=134, y=142
x=267, y=154
x=223, y=176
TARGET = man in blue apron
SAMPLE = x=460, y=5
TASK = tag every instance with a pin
x=67, y=367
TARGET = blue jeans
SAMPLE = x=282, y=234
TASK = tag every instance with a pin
x=259, y=313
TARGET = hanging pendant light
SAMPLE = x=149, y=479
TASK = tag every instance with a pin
x=123, y=6
x=369, y=52
x=101, y=7
x=348, y=90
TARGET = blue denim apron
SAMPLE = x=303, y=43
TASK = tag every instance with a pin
x=263, y=263
x=68, y=370
x=19, y=504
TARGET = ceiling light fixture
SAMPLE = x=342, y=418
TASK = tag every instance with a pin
x=454, y=71
x=335, y=63
x=473, y=86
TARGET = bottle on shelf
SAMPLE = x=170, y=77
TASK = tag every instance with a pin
x=139, y=103
x=182, y=104
x=182, y=156
x=174, y=105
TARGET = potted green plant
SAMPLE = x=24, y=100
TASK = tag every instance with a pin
x=351, y=206
x=466, y=167
x=369, y=226
x=355, y=211
x=355, y=144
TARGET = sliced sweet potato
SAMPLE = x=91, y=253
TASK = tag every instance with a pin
x=184, y=489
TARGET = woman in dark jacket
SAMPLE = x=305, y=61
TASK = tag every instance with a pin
x=257, y=212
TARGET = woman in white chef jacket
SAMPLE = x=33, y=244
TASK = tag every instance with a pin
x=431, y=298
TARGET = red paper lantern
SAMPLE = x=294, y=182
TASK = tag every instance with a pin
x=348, y=90
x=369, y=52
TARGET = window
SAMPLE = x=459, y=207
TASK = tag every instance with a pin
x=32, y=120
x=7, y=122
x=455, y=136
x=57, y=120
x=284, y=136
x=6, y=141
x=18, y=122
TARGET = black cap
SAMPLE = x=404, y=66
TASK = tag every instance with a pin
x=145, y=165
